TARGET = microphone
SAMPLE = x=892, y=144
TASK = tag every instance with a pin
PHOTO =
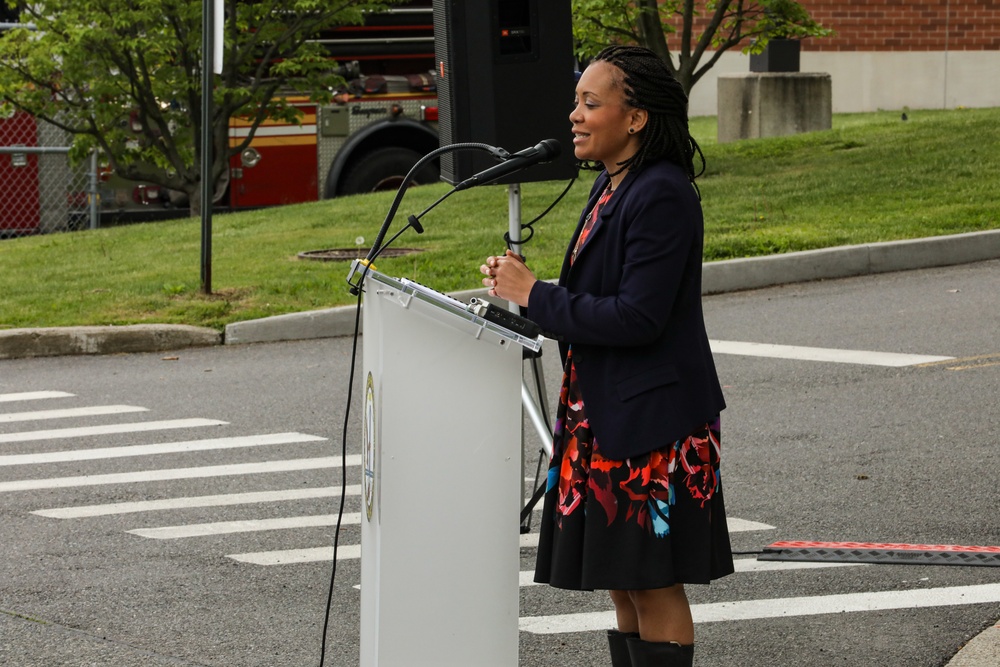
x=545, y=151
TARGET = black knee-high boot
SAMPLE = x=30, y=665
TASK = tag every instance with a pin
x=660, y=654
x=619, y=647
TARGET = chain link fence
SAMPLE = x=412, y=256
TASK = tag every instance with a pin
x=40, y=191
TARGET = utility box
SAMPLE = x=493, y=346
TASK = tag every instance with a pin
x=780, y=55
x=773, y=104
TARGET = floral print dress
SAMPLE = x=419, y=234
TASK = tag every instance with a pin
x=646, y=522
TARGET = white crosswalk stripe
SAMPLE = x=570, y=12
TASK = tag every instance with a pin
x=325, y=554
x=96, y=410
x=248, y=526
x=863, y=357
x=742, y=565
x=221, y=500
x=744, y=610
x=581, y=622
x=33, y=396
x=108, y=429
x=179, y=473
x=162, y=448
x=530, y=540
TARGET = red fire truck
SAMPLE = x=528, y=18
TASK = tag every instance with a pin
x=366, y=140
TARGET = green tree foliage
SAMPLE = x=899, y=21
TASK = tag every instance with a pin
x=124, y=76
x=701, y=30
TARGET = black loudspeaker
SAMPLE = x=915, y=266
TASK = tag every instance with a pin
x=505, y=71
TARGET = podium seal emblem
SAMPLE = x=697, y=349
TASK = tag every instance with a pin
x=368, y=446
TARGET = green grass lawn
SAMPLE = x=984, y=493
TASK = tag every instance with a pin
x=873, y=177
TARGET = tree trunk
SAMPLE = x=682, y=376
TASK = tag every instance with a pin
x=651, y=32
x=194, y=200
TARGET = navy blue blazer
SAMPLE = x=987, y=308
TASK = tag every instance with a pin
x=630, y=306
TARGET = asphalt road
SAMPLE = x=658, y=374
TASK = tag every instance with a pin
x=813, y=451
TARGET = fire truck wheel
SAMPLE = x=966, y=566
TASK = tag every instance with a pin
x=384, y=169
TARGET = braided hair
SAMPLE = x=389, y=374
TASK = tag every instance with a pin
x=649, y=85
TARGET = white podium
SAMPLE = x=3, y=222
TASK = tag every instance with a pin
x=441, y=486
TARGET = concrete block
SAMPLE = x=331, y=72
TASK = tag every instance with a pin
x=773, y=104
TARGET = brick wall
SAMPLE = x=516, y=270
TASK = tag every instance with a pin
x=904, y=25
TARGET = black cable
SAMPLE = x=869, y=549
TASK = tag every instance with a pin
x=378, y=246
x=492, y=150
x=536, y=495
x=539, y=482
x=526, y=511
x=528, y=225
x=343, y=477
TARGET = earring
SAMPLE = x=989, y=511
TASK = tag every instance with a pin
x=631, y=130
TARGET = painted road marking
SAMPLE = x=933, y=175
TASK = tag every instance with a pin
x=162, y=448
x=220, y=500
x=784, y=607
x=744, y=526
x=33, y=396
x=526, y=578
x=822, y=354
x=324, y=554
x=734, y=525
x=69, y=412
x=247, y=526
x=317, y=554
x=108, y=429
x=297, y=556
x=280, y=523
x=754, y=565
x=180, y=473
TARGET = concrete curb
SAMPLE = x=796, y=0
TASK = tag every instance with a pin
x=847, y=261
x=719, y=277
x=22, y=343
x=983, y=650
x=325, y=323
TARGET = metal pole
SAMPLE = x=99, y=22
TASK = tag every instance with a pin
x=514, y=221
x=34, y=150
x=95, y=194
x=514, y=237
x=207, y=189
x=534, y=406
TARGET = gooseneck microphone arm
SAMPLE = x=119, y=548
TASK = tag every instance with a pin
x=377, y=246
x=496, y=152
x=544, y=151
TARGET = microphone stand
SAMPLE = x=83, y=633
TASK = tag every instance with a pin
x=535, y=406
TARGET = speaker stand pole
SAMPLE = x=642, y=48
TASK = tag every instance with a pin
x=536, y=406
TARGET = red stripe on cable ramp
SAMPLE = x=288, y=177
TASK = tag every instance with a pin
x=878, y=552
